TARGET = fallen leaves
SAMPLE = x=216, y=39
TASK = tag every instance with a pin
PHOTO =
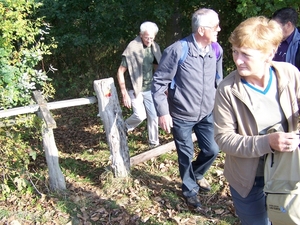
x=151, y=195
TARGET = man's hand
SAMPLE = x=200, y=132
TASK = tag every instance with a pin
x=126, y=99
x=165, y=122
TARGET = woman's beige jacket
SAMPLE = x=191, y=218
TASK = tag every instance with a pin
x=236, y=131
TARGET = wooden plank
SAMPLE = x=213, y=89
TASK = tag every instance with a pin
x=43, y=110
x=155, y=152
x=18, y=111
x=111, y=115
x=134, y=160
x=72, y=102
x=56, y=177
x=51, y=105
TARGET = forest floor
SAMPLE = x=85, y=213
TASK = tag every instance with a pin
x=150, y=195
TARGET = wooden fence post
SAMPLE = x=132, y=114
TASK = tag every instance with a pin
x=56, y=178
x=111, y=116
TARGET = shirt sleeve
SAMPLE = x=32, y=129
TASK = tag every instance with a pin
x=163, y=76
x=124, y=62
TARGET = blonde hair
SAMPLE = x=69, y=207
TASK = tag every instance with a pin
x=257, y=33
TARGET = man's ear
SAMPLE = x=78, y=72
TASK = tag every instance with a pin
x=201, y=31
x=290, y=26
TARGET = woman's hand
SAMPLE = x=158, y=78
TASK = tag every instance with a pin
x=284, y=142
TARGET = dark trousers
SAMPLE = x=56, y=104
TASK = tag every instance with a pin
x=191, y=171
x=252, y=209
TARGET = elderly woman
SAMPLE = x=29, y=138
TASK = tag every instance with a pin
x=258, y=95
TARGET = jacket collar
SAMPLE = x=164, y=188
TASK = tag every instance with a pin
x=195, y=51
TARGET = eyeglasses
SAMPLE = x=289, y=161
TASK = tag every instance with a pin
x=214, y=28
x=148, y=38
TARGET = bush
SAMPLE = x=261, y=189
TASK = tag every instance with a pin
x=20, y=145
x=22, y=49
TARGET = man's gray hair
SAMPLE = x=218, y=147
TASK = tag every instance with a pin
x=202, y=18
x=148, y=26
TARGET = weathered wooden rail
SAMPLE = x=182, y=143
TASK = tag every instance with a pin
x=111, y=115
x=50, y=105
x=42, y=109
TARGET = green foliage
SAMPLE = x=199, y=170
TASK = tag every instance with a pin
x=249, y=8
x=21, y=49
x=20, y=146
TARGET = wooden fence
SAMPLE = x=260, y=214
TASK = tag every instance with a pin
x=111, y=115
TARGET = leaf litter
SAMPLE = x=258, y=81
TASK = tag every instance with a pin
x=150, y=195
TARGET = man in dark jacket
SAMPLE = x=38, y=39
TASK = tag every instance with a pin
x=183, y=95
x=289, y=50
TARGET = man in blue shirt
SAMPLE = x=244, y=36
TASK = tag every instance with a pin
x=289, y=47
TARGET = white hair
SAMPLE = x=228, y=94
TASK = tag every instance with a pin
x=148, y=26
